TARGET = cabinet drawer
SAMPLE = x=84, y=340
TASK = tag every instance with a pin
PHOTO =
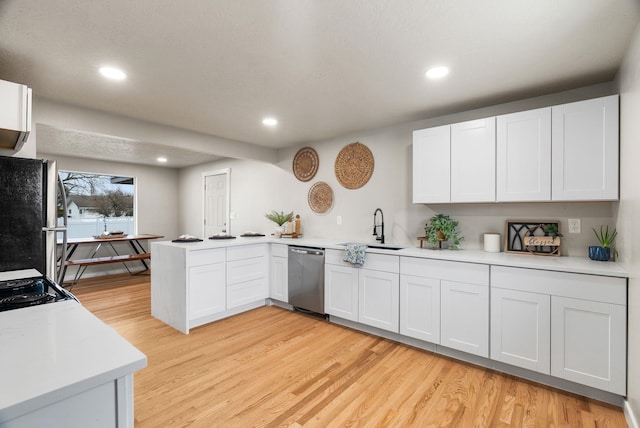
x=205, y=257
x=470, y=273
x=247, y=292
x=279, y=250
x=246, y=270
x=246, y=252
x=588, y=287
x=372, y=261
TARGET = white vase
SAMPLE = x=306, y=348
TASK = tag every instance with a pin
x=279, y=231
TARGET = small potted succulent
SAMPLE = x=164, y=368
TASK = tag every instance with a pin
x=279, y=218
x=442, y=228
x=603, y=252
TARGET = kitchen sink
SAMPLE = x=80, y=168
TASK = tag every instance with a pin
x=377, y=247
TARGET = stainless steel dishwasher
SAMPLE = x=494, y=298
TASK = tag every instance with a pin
x=306, y=278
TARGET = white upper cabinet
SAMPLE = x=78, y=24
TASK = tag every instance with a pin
x=473, y=161
x=568, y=152
x=585, y=150
x=523, y=156
x=431, y=165
x=15, y=115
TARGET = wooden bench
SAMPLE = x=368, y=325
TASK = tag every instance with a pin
x=110, y=259
x=84, y=263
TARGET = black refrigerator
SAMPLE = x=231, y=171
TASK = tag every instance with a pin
x=31, y=224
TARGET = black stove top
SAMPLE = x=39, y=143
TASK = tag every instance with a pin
x=24, y=292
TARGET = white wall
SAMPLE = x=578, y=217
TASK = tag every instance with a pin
x=156, y=200
x=257, y=188
x=628, y=211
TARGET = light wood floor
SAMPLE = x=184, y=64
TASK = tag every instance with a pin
x=273, y=368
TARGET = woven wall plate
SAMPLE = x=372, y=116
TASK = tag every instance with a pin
x=305, y=164
x=354, y=165
x=320, y=197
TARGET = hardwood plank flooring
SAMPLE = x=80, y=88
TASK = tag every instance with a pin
x=274, y=368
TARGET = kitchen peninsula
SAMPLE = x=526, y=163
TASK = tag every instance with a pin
x=556, y=320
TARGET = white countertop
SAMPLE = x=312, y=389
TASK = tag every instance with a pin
x=51, y=352
x=553, y=263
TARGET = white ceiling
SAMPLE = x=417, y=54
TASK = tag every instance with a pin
x=324, y=68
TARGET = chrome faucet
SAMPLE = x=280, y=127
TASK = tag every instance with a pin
x=376, y=226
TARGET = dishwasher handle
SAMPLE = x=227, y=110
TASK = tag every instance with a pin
x=308, y=252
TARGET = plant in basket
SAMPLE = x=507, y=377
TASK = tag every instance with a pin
x=442, y=228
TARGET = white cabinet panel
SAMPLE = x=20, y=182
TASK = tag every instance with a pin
x=588, y=343
x=464, y=317
x=341, y=291
x=279, y=272
x=431, y=165
x=420, y=308
x=523, y=156
x=379, y=299
x=473, y=161
x=246, y=270
x=15, y=114
x=207, y=290
x=585, y=150
x=520, y=329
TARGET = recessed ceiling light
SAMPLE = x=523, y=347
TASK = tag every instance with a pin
x=437, y=72
x=162, y=159
x=269, y=121
x=113, y=73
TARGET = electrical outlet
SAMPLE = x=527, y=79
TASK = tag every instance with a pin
x=339, y=219
x=574, y=225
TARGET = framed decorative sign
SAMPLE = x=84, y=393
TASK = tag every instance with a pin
x=541, y=238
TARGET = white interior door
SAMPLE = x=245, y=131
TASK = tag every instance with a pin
x=216, y=203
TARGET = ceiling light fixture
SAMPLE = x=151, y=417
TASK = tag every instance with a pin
x=162, y=159
x=269, y=121
x=437, y=72
x=113, y=73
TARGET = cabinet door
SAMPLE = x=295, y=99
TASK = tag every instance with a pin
x=464, y=317
x=379, y=299
x=278, y=284
x=520, y=329
x=585, y=150
x=588, y=343
x=341, y=291
x=420, y=308
x=207, y=290
x=431, y=165
x=523, y=156
x=473, y=161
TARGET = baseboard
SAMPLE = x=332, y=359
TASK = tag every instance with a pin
x=629, y=416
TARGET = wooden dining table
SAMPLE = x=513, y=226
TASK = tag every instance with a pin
x=137, y=252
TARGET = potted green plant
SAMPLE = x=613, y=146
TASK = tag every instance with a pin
x=605, y=238
x=551, y=229
x=442, y=228
x=279, y=218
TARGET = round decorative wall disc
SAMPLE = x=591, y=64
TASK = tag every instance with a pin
x=305, y=164
x=354, y=165
x=320, y=197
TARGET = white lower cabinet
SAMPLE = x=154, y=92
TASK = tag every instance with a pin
x=521, y=329
x=446, y=303
x=420, y=308
x=586, y=316
x=279, y=273
x=207, y=290
x=369, y=295
x=464, y=317
x=588, y=343
x=247, y=275
x=379, y=299
x=341, y=291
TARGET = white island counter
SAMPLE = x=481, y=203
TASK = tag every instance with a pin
x=63, y=367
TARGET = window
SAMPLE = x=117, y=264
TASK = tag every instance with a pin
x=97, y=204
